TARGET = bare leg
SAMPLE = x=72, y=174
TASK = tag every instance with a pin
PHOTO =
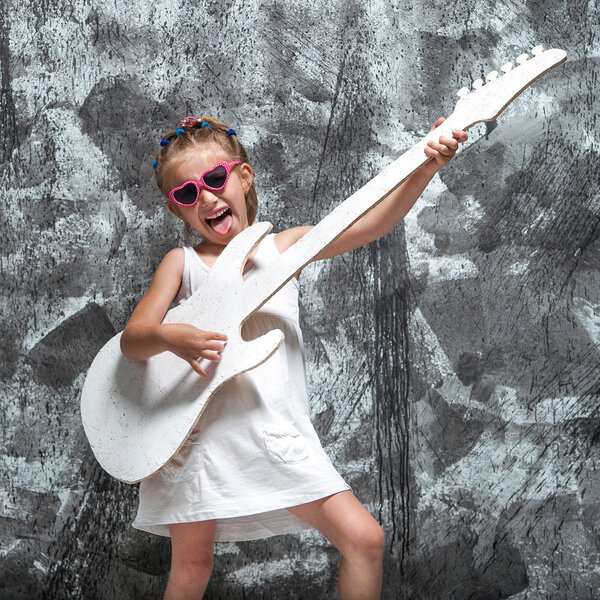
x=191, y=559
x=347, y=524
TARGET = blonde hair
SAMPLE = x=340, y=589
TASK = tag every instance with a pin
x=197, y=135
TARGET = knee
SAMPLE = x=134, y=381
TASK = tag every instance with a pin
x=193, y=569
x=375, y=540
x=369, y=542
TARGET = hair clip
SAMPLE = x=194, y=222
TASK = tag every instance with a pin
x=178, y=131
x=189, y=121
x=231, y=132
x=154, y=163
x=164, y=142
x=205, y=124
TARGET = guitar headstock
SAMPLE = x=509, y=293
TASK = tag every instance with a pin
x=489, y=98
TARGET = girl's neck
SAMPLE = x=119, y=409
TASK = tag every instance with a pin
x=210, y=251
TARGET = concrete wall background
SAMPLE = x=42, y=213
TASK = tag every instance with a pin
x=453, y=364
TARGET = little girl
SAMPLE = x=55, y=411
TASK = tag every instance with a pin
x=254, y=466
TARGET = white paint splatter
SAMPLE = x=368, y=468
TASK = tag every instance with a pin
x=588, y=315
x=432, y=358
x=451, y=268
x=518, y=268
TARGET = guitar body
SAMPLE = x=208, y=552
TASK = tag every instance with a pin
x=137, y=414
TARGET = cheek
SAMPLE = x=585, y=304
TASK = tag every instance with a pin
x=174, y=209
x=185, y=214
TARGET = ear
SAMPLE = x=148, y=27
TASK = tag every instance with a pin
x=247, y=177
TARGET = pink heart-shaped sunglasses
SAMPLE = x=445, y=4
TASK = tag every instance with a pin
x=214, y=179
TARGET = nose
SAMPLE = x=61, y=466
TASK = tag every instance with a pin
x=206, y=197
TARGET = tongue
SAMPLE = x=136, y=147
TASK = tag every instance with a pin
x=223, y=224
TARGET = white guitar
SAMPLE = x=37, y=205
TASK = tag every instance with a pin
x=137, y=414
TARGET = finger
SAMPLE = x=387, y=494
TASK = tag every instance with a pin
x=448, y=148
x=441, y=148
x=213, y=335
x=449, y=142
x=437, y=123
x=196, y=366
x=210, y=356
x=460, y=135
x=213, y=345
x=431, y=152
x=193, y=363
x=445, y=151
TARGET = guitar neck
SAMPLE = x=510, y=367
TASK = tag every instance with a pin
x=484, y=103
x=344, y=216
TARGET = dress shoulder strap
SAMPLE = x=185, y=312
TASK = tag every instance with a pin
x=194, y=272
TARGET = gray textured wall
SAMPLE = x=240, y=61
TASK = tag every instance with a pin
x=453, y=364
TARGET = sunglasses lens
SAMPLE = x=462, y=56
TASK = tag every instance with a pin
x=187, y=194
x=216, y=178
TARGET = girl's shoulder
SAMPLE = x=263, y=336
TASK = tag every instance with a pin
x=171, y=266
x=174, y=258
x=288, y=237
x=164, y=287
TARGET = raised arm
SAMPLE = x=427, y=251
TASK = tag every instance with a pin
x=145, y=335
x=392, y=209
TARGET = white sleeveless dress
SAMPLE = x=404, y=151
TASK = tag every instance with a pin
x=254, y=451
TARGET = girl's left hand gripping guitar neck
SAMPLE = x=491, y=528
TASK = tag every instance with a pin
x=137, y=414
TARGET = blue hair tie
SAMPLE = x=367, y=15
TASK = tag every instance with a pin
x=205, y=124
x=231, y=132
x=164, y=142
x=154, y=163
x=178, y=131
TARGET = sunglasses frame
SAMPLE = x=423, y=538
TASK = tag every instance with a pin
x=200, y=184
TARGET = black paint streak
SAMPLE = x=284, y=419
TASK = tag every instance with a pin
x=392, y=383
x=93, y=544
x=8, y=116
x=327, y=131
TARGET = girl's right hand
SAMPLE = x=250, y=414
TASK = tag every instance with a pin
x=193, y=344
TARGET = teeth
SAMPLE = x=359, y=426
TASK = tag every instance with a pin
x=463, y=92
x=492, y=75
x=478, y=83
x=217, y=215
x=507, y=67
x=522, y=58
x=537, y=50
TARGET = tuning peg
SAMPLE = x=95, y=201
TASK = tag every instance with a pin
x=507, y=67
x=537, y=50
x=463, y=92
x=492, y=75
x=478, y=83
x=522, y=58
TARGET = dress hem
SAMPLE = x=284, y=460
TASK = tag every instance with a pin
x=231, y=527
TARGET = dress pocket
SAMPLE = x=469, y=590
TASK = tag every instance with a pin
x=185, y=464
x=284, y=444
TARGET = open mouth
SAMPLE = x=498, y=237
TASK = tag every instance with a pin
x=221, y=222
